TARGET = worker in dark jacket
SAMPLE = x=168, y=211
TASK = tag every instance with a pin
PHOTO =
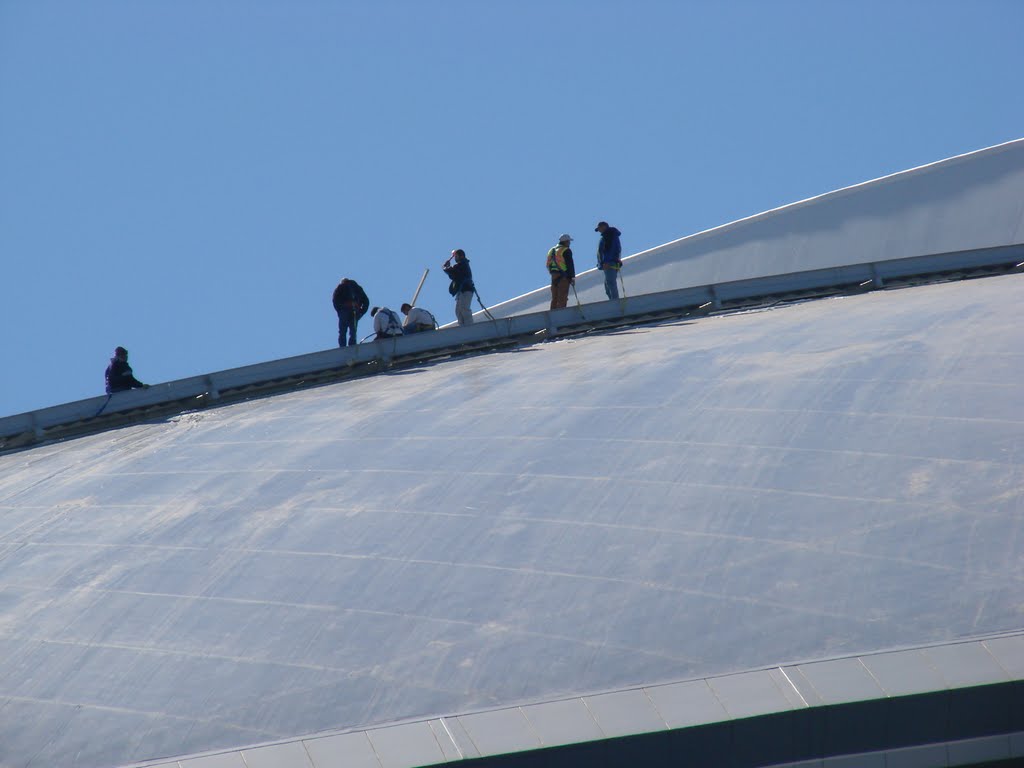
x=119, y=374
x=461, y=286
x=562, y=270
x=609, y=257
x=350, y=303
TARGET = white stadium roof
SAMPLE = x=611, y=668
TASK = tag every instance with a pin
x=666, y=497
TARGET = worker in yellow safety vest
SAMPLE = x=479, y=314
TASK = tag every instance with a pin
x=562, y=270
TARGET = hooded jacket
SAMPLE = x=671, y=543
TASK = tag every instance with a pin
x=609, y=250
x=119, y=376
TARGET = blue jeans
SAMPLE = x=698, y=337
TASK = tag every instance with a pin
x=611, y=286
x=347, y=321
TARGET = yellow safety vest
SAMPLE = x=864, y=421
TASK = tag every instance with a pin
x=556, y=259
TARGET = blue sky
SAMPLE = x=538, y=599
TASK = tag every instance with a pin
x=190, y=179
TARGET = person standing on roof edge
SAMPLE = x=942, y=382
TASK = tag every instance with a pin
x=563, y=272
x=461, y=286
x=119, y=376
x=386, y=323
x=350, y=303
x=417, y=319
x=609, y=257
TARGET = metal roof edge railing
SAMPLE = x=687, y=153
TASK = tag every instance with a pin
x=904, y=703
x=180, y=395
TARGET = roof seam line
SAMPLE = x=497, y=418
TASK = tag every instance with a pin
x=795, y=689
x=452, y=738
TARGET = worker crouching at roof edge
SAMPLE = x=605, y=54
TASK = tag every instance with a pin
x=417, y=319
x=385, y=323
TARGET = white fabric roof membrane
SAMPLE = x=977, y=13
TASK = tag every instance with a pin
x=632, y=507
x=963, y=203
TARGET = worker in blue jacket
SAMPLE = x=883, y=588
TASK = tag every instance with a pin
x=609, y=257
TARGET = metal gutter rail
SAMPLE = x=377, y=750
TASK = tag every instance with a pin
x=174, y=397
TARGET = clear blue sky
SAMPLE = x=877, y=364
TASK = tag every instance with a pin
x=190, y=179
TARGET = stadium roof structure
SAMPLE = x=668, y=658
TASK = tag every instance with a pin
x=765, y=511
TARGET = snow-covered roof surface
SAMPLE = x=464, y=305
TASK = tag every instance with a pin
x=631, y=507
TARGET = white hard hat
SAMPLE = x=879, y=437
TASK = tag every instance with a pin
x=564, y=239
